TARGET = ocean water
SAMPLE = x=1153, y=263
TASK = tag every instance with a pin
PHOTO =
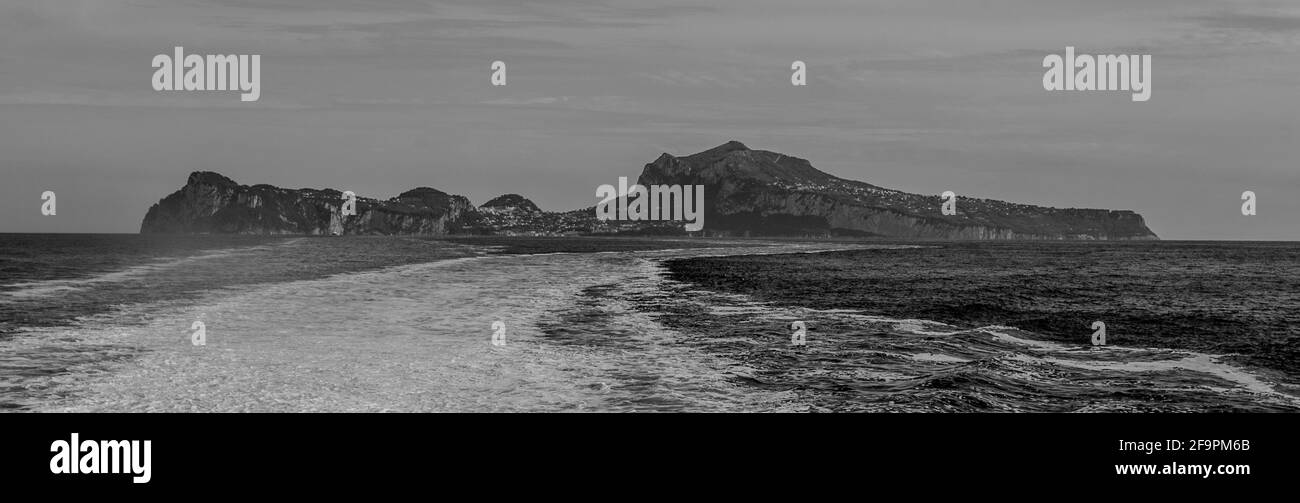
x=103, y=323
x=1190, y=326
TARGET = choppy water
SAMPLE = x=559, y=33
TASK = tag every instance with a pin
x=584, y=332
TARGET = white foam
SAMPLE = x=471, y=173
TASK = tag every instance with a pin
x=410, y=338
x=938, y=357
x=417, y=338
x=1000, y=336
x=53, y=287
x=1195, y=362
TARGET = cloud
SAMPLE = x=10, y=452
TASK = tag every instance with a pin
x=1272, y=23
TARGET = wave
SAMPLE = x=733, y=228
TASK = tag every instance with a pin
x=584, y=332
x=54, y=287
x=927, y=353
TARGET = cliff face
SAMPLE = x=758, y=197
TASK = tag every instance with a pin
x=746, y=191
x=211, y=203
x=767, y=193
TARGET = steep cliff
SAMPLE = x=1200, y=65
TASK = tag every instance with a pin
x=767, y=193
x=212, y=203
x=747, y=192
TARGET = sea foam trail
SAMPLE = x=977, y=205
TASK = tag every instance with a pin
x=408, y=338
x=50, y=288
x=600, y=332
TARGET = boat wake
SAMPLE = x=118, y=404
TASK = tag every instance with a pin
x=583, y=332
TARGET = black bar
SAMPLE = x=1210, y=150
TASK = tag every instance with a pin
x=316, y=452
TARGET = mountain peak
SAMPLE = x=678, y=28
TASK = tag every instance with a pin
x=732, y=162
x=719, y=151
x=770, y=192
x=422, y=192
x=511, y=201
x=209, y=178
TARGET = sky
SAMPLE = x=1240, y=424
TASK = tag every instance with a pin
x=379, y=97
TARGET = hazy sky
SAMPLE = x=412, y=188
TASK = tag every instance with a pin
x=381, y=96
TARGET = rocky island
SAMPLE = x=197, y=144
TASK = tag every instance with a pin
x=747, y=192
x=768, y=193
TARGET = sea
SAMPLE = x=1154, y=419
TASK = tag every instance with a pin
x=147, y=323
